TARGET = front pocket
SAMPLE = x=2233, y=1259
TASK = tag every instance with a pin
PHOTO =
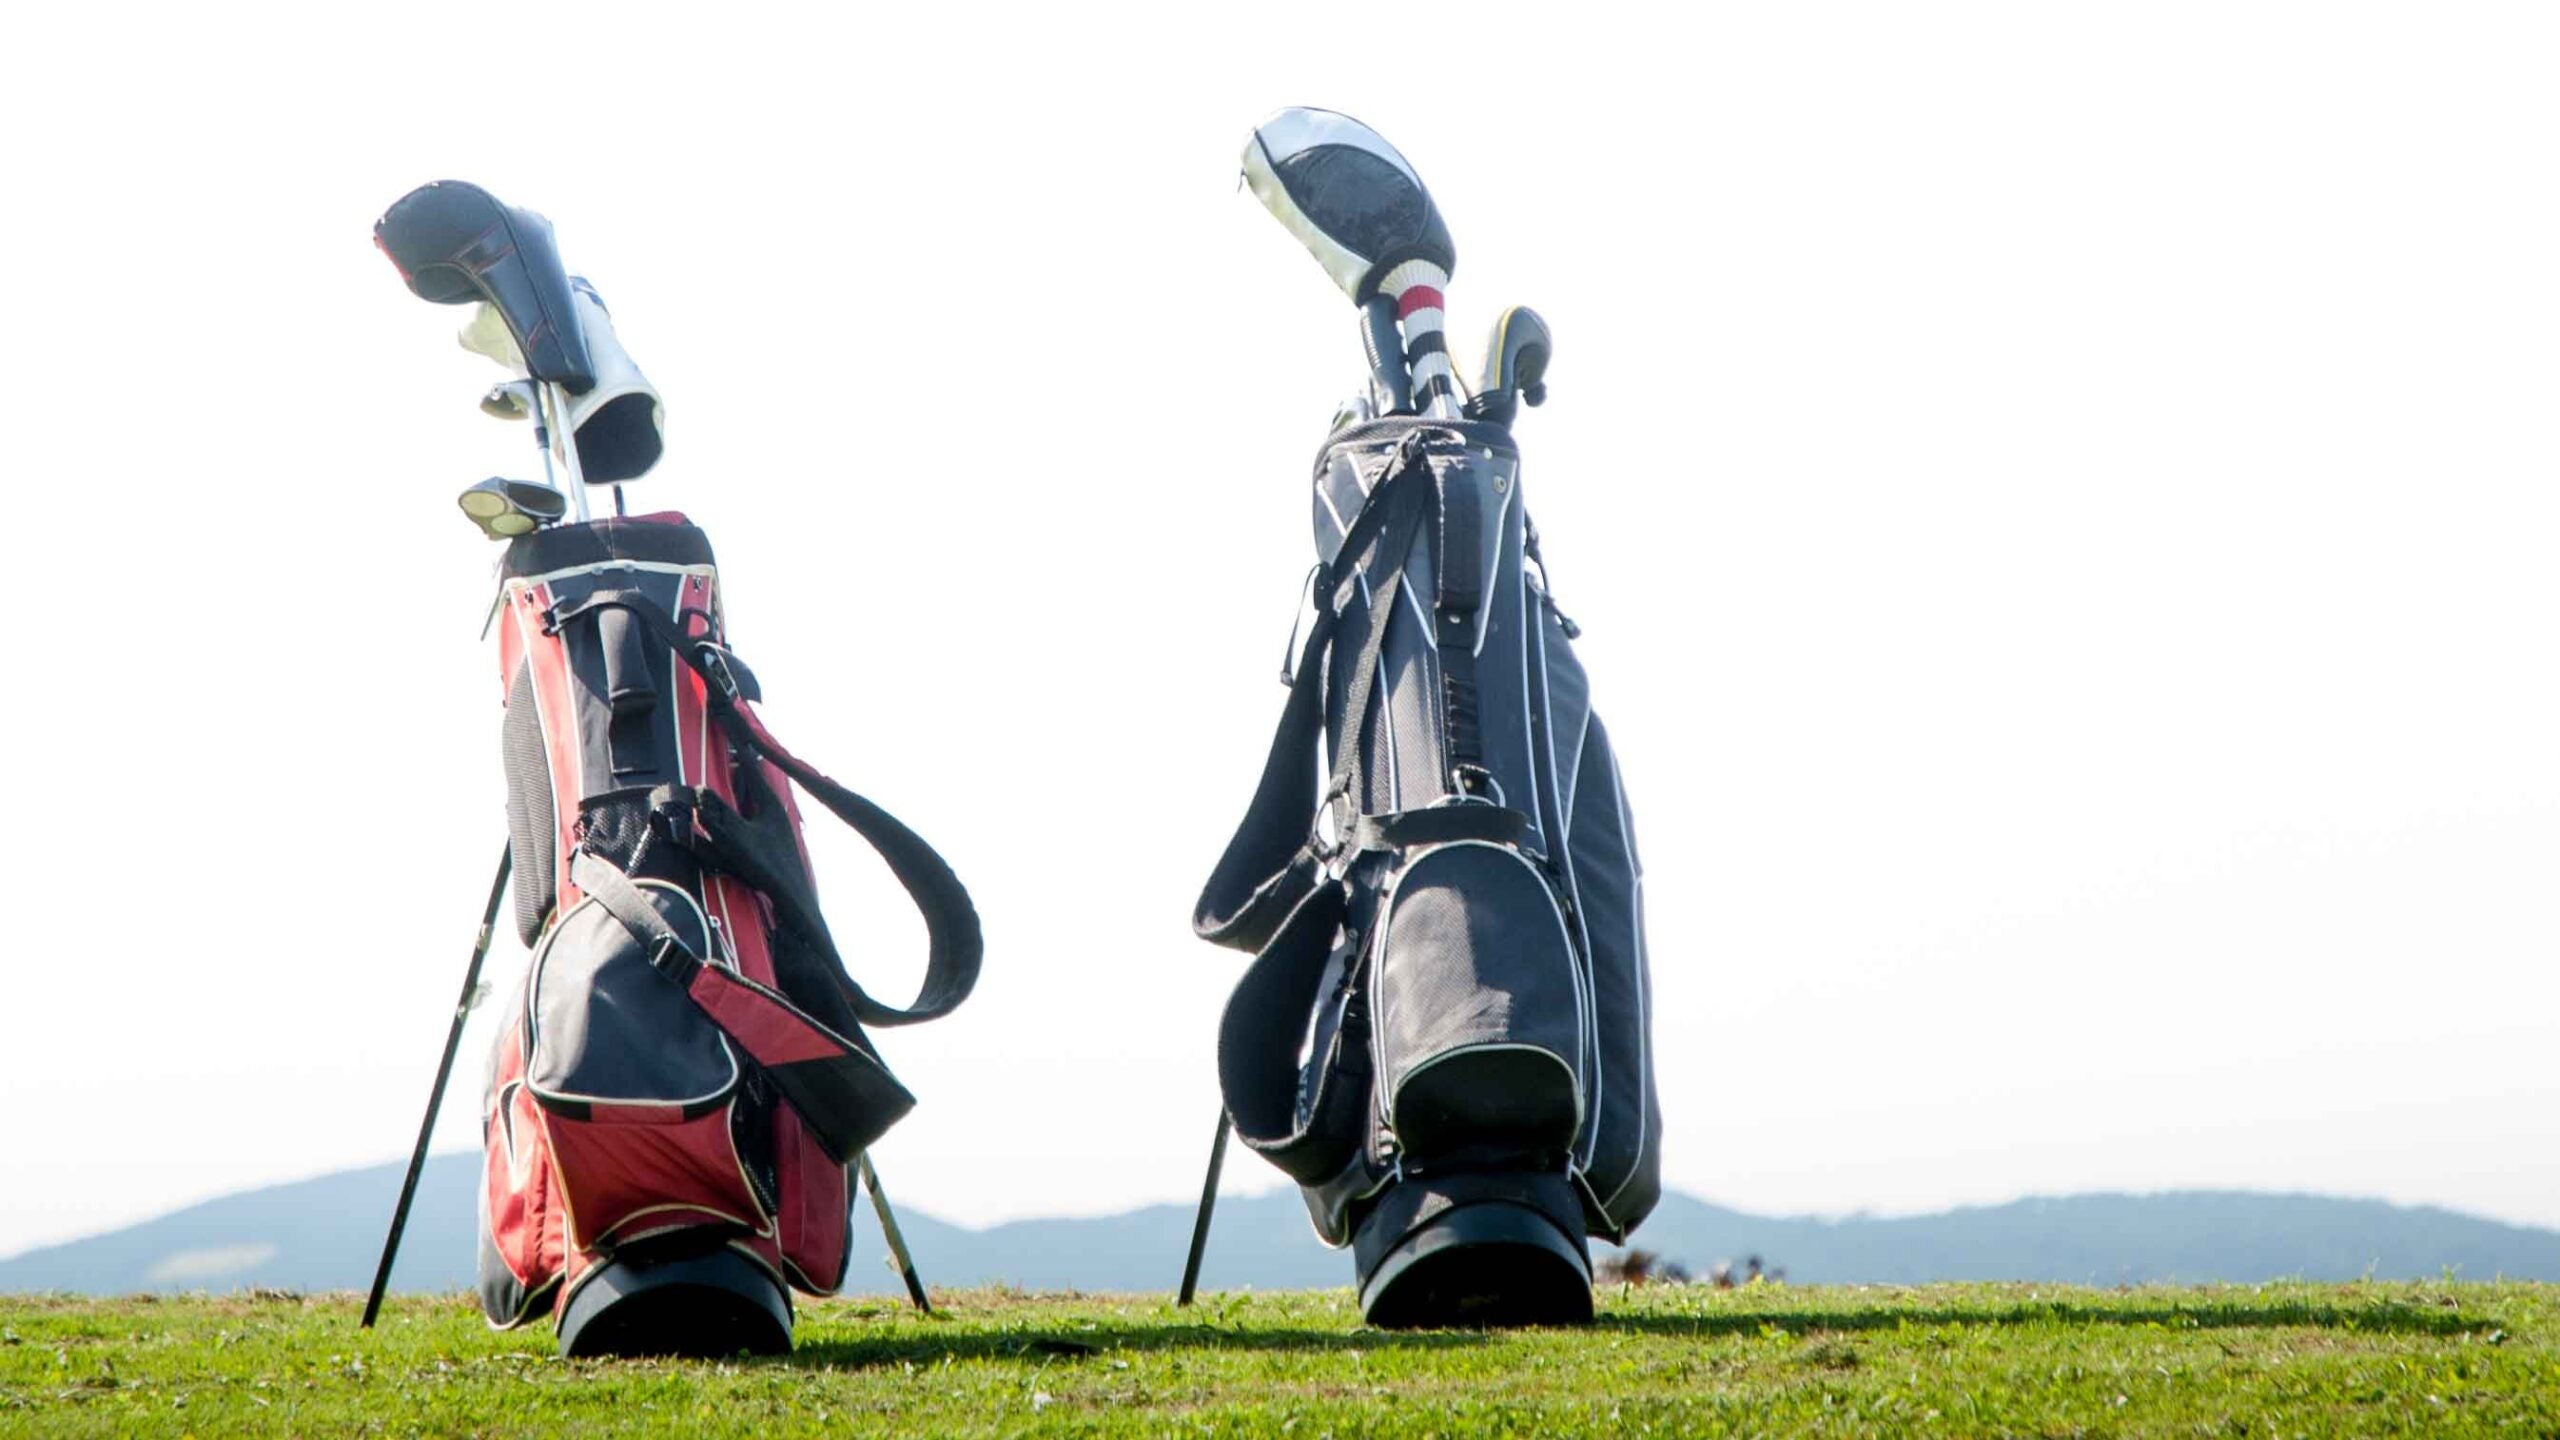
x=634, y=1082
x=1478, y=1016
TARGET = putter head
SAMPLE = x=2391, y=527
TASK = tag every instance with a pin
x=1515, y=366
x=505, y=509
x=1347, y=195
x=454, y=243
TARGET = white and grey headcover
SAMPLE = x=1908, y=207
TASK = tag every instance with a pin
x=620, y=424
x=1353, y=201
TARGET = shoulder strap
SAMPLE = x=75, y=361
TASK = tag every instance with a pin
x=1273, y=860
x=955, y=944
x=840, y=1089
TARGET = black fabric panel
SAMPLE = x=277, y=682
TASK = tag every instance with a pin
x=562, y=547
x=1624, y=1161
x=1503, y=698
x=1407, y=1206
x=532, y=823
x=633, y=744
x=1477, y=1007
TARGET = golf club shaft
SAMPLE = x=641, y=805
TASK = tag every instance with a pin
x=1208, y=1205
x=897, y=1239
x=435, y=1095
x=551, y=432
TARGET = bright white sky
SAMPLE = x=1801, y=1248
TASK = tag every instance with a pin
x=2061, y=499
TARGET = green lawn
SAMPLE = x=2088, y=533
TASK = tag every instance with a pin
x=2308, y=1360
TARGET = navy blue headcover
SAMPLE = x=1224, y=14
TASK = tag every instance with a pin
x=455, y=242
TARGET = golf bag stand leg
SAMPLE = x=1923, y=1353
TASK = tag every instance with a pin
x=1208, y=1206
x=896, y=1237
x=435, y=1092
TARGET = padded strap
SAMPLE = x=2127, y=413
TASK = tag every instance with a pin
x=1272, y=862
x=955, y=943
x=1258, y=1040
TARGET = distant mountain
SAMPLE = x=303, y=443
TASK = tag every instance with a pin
x=323, y=1234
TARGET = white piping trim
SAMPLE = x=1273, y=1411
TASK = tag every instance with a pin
x=1484, y=623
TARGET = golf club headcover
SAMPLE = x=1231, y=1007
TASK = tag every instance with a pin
x=620, y=423
x=1347, y=195
x=454, y=242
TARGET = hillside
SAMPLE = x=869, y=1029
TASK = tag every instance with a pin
x=323, y=1234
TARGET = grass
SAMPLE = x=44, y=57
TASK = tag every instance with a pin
x=2273, y=1360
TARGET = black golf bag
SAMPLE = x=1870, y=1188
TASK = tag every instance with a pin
x=1443, y=1036
x=683, y=1084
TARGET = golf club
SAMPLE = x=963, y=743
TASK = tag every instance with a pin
x=1515, y=367
x=505, y=509
x=1362, y=211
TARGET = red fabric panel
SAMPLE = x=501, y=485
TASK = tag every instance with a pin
x=613, y=1176
x=815, y=1192
x=742, y=918
x=525, y=1223
x=770, y=1033
x=1419, y=297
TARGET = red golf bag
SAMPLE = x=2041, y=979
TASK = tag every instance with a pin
x=679, y=1091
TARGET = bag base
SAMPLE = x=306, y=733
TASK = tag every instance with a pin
x=1478, y=1251
x=704, y=1306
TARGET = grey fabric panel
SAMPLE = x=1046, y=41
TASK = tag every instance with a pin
x=533, y=833
x=607, y=1026
x=1400, y=759
x=1622, y=1148
x=1474, y=977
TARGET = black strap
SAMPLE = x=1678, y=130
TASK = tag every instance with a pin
x=668, y=954
x=955, y=943
x=1311, y=1134
x=1272, y=862
x=1440, y=825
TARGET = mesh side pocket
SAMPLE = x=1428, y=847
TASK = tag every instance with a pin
x=532, y=824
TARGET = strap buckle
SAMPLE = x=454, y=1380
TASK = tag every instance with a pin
x=713, y=660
